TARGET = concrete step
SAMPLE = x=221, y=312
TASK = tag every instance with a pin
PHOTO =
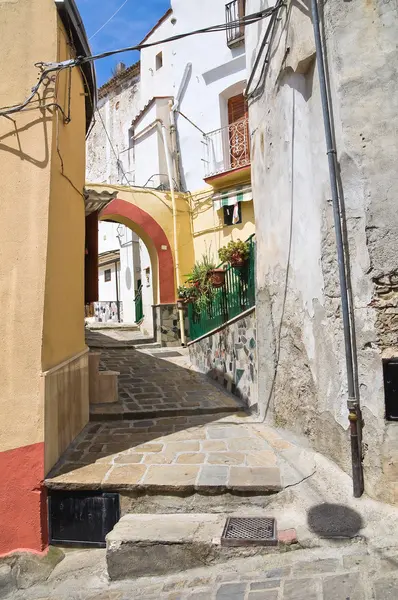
x=120, y=412
x=155, y=544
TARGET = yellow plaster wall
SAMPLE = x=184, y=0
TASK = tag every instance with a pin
x=209, y=231
x=159, y=206
x=25, y=160
x=63, y=327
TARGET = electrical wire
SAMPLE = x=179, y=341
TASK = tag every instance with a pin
x=244, y=21
x=109, y=20
x=80, y=60
x=268, y=36
x=8, y=110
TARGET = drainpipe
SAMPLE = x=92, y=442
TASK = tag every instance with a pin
x=353, y=400
x=173, y=201
x=117, y=294
x=174, y=108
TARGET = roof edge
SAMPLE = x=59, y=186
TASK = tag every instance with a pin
x=154, y=28
x=70, y=17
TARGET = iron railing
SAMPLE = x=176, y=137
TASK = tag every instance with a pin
x=227, y=148
x=139, y=309
x=234, y=11
x=236, y=296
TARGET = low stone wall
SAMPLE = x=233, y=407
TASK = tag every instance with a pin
x=166, y=325
x=228, y=355
x=107, y=312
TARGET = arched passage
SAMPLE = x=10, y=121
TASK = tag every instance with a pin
x=156, y=241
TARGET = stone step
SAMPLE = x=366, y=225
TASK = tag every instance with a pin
x=119, y=412
x=183, y=455
x=155, y=544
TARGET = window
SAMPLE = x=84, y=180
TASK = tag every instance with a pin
x=235, y=11
x=108, y=274
x=148, y=276
x=159, y=61
x=233, y=214
x=238, y=121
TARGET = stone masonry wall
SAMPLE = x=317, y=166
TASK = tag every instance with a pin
x=301, y=357
x=230, y=357
x=167, y=325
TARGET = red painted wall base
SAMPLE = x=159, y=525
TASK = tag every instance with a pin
x=23, y=500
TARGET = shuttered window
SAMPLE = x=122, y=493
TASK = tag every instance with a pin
x=238, y=131
x=237, y=109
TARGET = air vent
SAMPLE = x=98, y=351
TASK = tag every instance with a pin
x=82, y=518
x=245, y=531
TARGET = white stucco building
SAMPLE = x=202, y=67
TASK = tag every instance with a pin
x=183, y=101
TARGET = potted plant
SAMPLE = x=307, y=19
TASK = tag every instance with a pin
x=217, y=277
x=201, y=278
x=236, y=253
x=186, y=294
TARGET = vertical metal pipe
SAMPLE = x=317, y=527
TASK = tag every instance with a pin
x=353, y=401
x=117, y=294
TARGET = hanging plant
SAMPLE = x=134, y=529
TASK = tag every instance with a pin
x=201, y=278
x=217, y=277
x=235, y=253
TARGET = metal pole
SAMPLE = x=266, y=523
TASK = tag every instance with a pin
x=176, y=253
x=117, y=294
x=353, y=401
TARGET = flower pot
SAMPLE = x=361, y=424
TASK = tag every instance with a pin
x=181, y=303
x=217, y=277
x=238, y=262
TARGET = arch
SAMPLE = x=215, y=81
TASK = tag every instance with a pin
x=156, y=241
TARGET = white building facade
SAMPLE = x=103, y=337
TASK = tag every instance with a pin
x=178, y=119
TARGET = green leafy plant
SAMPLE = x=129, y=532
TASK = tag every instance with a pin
x=186, y=293
x=234, y=252
x=200, y=279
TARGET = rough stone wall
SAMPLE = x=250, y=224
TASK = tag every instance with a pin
x=167, y=325
x=302, y=374
x=117, y=108
x=106, y=311
x=230, y=357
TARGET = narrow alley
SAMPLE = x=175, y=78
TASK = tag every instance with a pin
x=199, y=284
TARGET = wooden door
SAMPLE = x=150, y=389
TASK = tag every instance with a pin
x=238, y=131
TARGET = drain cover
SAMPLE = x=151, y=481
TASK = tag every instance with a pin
x=244, y=531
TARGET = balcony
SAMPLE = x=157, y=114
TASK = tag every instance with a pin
x=234, y=11
x=227, y=149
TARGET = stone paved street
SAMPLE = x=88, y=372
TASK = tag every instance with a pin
x=180, y=453
x=115, y=337
x=345, y=572
x=151, y=386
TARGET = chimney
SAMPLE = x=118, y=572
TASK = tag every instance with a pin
x=120, y=67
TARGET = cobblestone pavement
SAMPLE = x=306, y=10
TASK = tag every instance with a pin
x=180, y=453
x=120, y=337
x=341, y=573
x=151, y=386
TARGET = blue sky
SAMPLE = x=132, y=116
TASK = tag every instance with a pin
x=127, y=28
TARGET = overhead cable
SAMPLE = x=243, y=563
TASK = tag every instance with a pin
x=109, y=20
x=49, y=67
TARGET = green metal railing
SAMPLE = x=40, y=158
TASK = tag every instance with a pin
x=139, y=310
x=236, y=296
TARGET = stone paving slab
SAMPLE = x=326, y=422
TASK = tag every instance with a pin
x=169, y=454
x=151, y=386
x=317, y=573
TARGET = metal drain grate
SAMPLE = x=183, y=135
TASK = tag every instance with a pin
x=246, y=531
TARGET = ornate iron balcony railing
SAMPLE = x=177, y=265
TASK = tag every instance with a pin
x=227, y=148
